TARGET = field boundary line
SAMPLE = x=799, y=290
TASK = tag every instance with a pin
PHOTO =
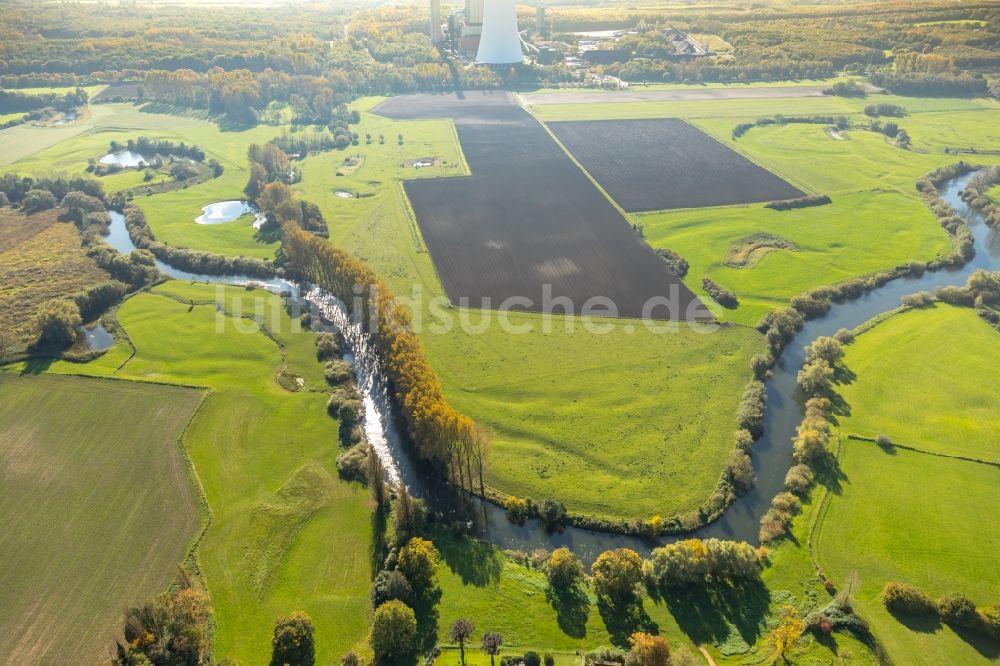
x=458, y=144
x=916, y=449
x=580, y=166
x=411, y=217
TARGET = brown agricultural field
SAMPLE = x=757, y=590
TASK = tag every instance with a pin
x=649, y=165
x=41, y=259
x=529, y=220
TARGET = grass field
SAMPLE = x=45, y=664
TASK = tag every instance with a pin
x=287, y=534
x=97, y=505
x=899, y=364
x=919, y=519
x=40, y=260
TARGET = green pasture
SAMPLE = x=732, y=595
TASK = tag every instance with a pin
x=920, y=519
x=925, y=379
x=287, y=534
x=98, y=509
x=171, y=215
x=834, y=243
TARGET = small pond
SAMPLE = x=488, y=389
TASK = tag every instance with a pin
x=126, y=159
x=96, y=338
x=66, y=119
x=224, y=211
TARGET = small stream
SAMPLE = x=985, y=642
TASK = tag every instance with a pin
x=771, y=455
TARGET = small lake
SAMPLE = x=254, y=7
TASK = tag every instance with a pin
x=224, y=211
x=126, y=159
x=96, y=338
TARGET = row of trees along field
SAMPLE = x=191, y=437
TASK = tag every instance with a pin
x=442, y=435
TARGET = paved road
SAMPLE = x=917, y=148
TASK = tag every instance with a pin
x=684, y=95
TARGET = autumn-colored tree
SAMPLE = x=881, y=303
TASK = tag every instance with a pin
x=616, y=573
x=564, y=571
x=788, y=630
x=492, y=642
x=647, y=650
x=292, y=643
x=57, y=321
x=418, y=561
x=394, y=633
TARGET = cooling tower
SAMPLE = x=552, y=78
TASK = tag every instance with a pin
x=501, y=41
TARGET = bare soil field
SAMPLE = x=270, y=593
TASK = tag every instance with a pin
x=650, y=165
x=528, y=219
x=96, y=510
x=688, y=95
x=40, y=259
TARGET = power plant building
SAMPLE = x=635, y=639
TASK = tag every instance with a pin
x=500, y=43
x=474, y=11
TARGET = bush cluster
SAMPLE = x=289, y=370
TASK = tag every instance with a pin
x=677, y=264
x=801, y=202
x=954, y=608
x=723, y=297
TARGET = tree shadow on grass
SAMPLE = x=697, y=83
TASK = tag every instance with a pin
x=476, y=563
x=624, y=617
x=923, y=624
x=378, y=552
x=706, y=612
x=425, y=607
x=829, y=474
x=572, y=609
x=984, y=645
x=36, y=365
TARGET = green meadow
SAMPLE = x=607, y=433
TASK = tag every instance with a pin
x=900, y=366
x=286, y=533
x=98, y=509
x=920, y=519
x=171, y=215
x=921, y=378
x=672, y=395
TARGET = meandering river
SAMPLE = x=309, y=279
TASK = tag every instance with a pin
x=771, y=455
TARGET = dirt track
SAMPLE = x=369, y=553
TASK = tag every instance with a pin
x=528, y=219
x=685, y=95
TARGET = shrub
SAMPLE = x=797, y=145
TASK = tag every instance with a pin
x=57, y=321
x=337, y=372
x=884, y=441
x=921, y=299
x=531, y=659
x=798, y=479
x=816, y=378
x=741, y=471
x=844, y=336
x=676, y=264
x=389, y=585
x=35, y=201
x=517, y=509
x=990, y=621
x=553, y=514
x=801, y=202
x=908, y=599
x=352, y=463
x=750, y=414
x=825, y=348
x=350, y=659
x=958, y=610
x=326, y=346
x=549, y=660
x=723, y=297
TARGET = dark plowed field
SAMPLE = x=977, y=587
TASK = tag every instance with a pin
x=648, y=165
x=527, y=218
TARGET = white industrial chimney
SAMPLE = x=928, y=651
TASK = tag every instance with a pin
x=501, y=41
x=436, y=36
